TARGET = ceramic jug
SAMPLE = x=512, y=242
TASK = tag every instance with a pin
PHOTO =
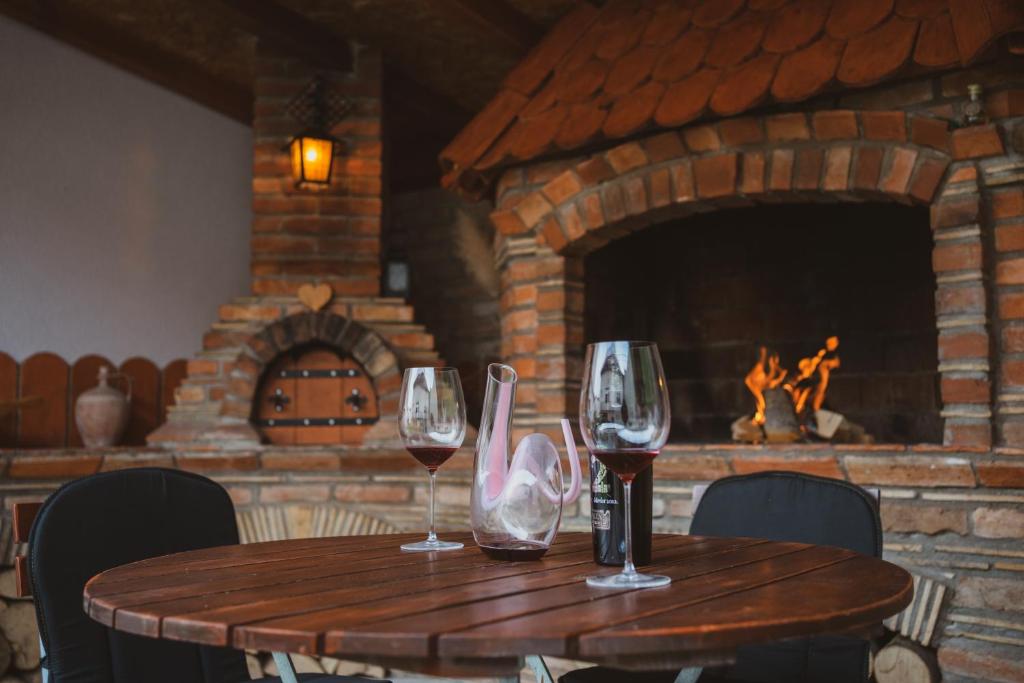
x=102, y=413
x=516, y=505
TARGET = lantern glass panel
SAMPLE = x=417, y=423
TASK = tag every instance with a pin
x=312, y=158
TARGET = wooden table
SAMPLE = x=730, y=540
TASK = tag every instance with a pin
x=463, y=614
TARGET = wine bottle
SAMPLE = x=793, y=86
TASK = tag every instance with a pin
x=608, y=517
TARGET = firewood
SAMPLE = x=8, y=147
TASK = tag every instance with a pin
x=6, y=655
x=780, y=423
x=18, y=625
x=904, y=661
x=8, y=584
x=745, y=430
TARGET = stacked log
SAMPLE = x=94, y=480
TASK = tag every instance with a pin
x=19, y=636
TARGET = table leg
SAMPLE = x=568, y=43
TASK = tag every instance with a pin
x=689, y=675
x=284, y=667
x=540, y=669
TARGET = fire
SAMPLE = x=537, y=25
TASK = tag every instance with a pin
x=808, y=383
x=766, y=374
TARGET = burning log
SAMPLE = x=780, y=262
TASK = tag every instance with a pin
x=788, y=407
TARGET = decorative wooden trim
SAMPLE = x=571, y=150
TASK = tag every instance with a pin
x=22, y=580
x=24, y=515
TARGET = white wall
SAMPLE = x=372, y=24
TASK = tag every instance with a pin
x=124, y=208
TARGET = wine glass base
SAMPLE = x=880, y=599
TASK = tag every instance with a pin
x=628, y=581
x=431, y=546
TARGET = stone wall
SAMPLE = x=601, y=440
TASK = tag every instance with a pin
x=952, y=514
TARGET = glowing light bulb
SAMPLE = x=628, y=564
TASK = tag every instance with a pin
x=311, y=154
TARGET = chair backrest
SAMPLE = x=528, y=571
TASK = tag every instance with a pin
x=106, y=520
x=788, y=506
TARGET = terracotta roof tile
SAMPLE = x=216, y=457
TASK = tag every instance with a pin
x=872, y=56
x=622, y=39
x=851, y=18
x=602, y=74
x=686, y=99
x=737, y=40
x=580, y=84
x=665, y=25
x=920, y=9
x=632, y=111
x=805, y=72
x=683, y=56
x=535, y=134
x=936, y=43
x=744, y=86
x=632, y=69
x=582, y=124
x=527, y=76
x=795, y=25
x=710, y=14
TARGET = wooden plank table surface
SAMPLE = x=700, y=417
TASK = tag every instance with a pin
x=361, y=598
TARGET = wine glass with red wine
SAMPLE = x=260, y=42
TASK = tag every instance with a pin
x=432, y=422
x=624, y=419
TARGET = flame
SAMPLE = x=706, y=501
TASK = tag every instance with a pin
x=766, y=374
x=801, y=385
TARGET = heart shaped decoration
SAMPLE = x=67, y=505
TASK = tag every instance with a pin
x=315, y=296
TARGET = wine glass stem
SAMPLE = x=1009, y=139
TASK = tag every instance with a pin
x=432, y=536
x=628, y=567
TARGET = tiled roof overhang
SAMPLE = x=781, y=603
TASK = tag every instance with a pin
x=632, y=65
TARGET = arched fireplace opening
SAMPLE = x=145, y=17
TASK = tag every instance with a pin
x=713, y=288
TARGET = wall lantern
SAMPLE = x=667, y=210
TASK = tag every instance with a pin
x=312, y=158
x=318, y=108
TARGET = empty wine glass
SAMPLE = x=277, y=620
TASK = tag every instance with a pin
x=624, y=419
x=432, y=422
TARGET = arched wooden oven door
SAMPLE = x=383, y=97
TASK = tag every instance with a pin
x=314, y=395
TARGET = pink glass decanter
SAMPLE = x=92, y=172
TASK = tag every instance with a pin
x=516, y=506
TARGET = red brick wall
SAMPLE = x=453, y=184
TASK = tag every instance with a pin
x=330, y=234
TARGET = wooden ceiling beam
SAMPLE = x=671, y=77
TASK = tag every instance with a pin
x=501, y=20
x=291, y=32
x=113, y=45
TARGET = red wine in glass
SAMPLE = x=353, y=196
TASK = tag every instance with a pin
x=432, y=423
x=519, y=551
x=624, y=419
x=626, y=462
x=431, y=457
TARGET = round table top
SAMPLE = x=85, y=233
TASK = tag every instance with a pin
x=360, y=597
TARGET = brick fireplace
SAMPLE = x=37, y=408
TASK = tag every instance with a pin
x=661, y=170
x=305, y=236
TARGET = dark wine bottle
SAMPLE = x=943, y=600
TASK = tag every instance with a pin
x=608, y=515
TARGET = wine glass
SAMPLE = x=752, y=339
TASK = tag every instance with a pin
x=432, y=422
x=624, y=419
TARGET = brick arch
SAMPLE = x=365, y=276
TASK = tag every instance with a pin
x=548, y=217
x=366, y=346
x=879, y=155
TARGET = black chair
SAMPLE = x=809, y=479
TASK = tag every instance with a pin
x=782, y=506
x=99, y=522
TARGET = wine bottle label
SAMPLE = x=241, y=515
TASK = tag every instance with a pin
x=601, y=519
x=600, y=484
